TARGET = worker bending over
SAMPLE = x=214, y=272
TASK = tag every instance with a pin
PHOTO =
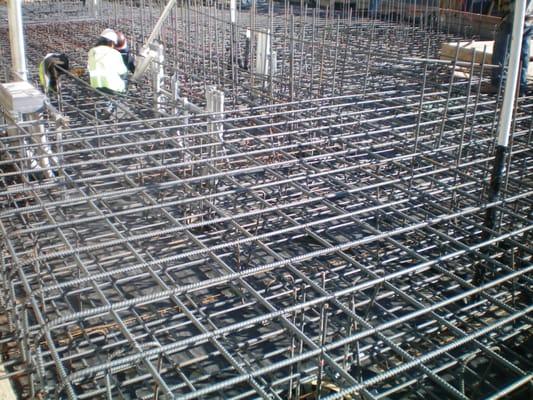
x=107, y=70
x=49, y=72
x=503, y=41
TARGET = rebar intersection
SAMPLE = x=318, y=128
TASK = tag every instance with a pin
x=318, y=239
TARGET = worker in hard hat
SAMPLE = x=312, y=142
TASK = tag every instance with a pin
x=125, y=52
x=52, y=66
x=503, y=41
x=107, y=70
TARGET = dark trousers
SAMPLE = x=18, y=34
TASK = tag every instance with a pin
x=501, y=46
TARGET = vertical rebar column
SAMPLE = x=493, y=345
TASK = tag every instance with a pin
x=16, y=39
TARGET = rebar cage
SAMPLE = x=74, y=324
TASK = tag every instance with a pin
x=322, y=236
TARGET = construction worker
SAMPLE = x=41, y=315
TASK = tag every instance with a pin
x=49, y=72
x=107, y=70
x=125, y=52
x=503, y=41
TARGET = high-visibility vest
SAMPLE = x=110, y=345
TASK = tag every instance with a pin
x=44, y=79
x=49, y=72
x=106, y=69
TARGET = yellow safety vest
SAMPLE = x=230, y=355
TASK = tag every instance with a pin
x=43, y=78
x=106, y=69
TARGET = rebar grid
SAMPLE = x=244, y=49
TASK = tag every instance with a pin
x=317, y=240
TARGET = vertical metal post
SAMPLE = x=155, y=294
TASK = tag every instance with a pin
x=158, y=77
x=506, y=115
x=16, y=39
x=233, y=41
x=42, y=150
x=94, y=6
x=233, y=11
x=263, y=46
x=175, y=89
x=215, y=104
x=504, y=126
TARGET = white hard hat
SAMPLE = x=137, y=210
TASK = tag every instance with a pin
x=110, y=34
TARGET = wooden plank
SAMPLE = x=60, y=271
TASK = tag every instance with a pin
x=466, y=51
x=483, y=26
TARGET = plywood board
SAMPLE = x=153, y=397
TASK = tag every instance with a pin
x=467, y=49
x=6, y=391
